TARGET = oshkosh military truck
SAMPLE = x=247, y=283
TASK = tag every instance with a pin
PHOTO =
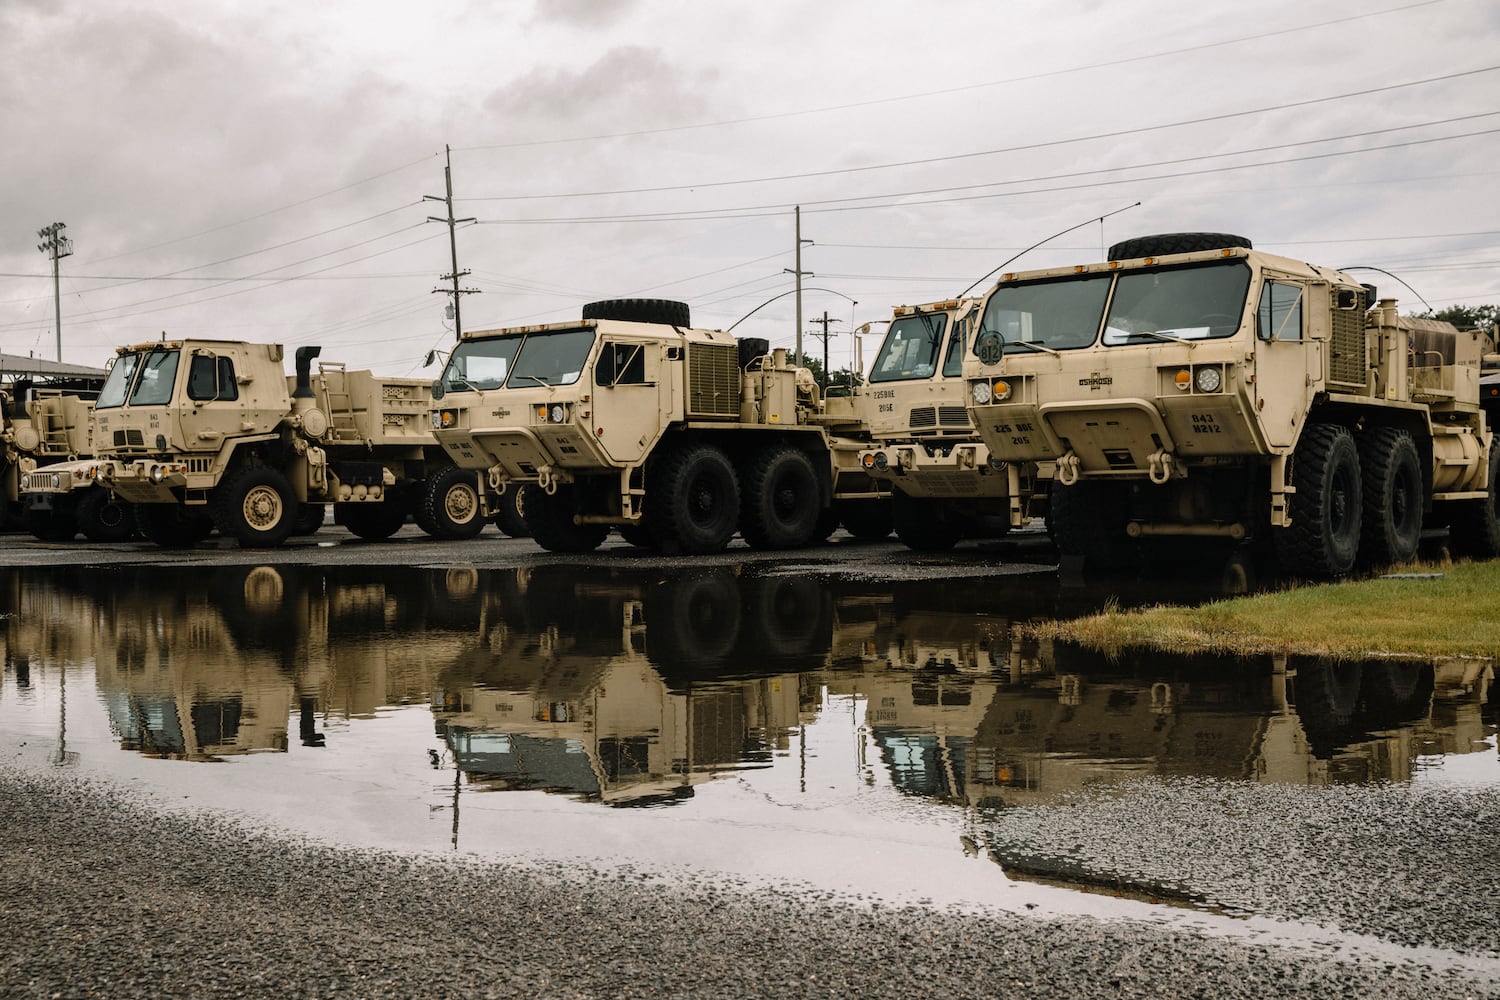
x=201, y=434
x=1194, y=386
x=629, y=418
x=945, y=486
x=45, y=418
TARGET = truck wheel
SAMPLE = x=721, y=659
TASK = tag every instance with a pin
x=550, y=518
x=1393, y=495
x=448, y=507
x=693, y=624
x=867, y=520
x=696, y=500
x=171, y=525
x=667, y=311
x=780, y=503
x=1474, y=529
x=255, y=506
x=1323, y=539
x=102, y=518
x=310, y=517
x=510, y=517
x=1164, y=243
x=1327, y=694
x=52, y=524
x=920, y=524
x=374, y=522
x=1088, y=519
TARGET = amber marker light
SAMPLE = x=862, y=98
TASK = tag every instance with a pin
x=1183, y=380
x=1000, y=390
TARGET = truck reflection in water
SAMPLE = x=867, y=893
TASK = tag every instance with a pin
x=633, y=686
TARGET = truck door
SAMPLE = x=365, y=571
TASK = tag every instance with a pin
x=631, y=399
x=1285, y=359
x=210, y=409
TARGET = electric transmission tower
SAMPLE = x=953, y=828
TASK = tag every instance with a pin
x=58, y=246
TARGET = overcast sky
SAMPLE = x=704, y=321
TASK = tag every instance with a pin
x=258, y=171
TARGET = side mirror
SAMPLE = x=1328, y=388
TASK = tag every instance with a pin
x=431, y=357
x=437, y=388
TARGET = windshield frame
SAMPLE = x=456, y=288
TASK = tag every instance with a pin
x=510, y=349
x=934, y=325
x=119, y=381
x=1058, y=290
x=1223, y=297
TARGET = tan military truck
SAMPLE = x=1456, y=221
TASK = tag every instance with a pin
x=45, y=418
x=1194, y=386
x=212, y=433
x=630, y=418
x=944, y=485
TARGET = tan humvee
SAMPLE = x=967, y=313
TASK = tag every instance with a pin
x=1193, y=386
x=630, y=418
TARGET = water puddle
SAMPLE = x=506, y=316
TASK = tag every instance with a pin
x=887, y=739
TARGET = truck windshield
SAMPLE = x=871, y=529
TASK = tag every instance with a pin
x=143, y=379
x=910, y=349
x=1197, y=302
x=1055, y=315
x=117, y=384
x=552, y=358
x=153, y=386
x=480, y=364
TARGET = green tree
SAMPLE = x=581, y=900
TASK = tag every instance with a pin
x=1469, y=317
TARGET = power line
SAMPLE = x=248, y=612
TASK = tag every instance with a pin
x=901, y=198
x=955, y=90
x=1029, y=147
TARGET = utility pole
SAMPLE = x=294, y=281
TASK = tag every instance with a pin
x=800, y=274
x=57, y=246
x=827, y=376
x=455, y=292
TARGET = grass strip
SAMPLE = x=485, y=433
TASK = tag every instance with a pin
x=1425, y=611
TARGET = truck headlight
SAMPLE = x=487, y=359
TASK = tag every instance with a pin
x=980, y=391
x=444, y=419
x=1208, y=379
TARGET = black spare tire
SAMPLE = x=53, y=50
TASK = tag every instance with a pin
x=668, y=311
x=1164, y=243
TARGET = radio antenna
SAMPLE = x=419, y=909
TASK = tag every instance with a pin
x=1049, y=239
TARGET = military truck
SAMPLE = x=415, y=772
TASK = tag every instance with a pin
x=200, y=434
x=629, y=418
x=944, y=484
x=46, y=418
x=1194, y=386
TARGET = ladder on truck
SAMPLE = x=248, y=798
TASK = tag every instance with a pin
x=338, y=404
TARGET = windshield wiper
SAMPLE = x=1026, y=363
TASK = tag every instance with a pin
x=1162, y=336
x=1035, y=345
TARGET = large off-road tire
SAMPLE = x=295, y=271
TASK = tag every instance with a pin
x=694, y=501
x=1474, y=525
x=509, y=518
x=1165, y=243
x=374, y=522
x=668, y=311
x=1088, y=519
x=1326, y=510
x=310, y=517
x=867, y=520
x=102, y=518
x=1327, y=693
x=550, y=518
x=171, y=525
x=255, y=506
x=1391, y=523
x=920, y=523
x=52, y=524
x=448, y=506
x=780, y=500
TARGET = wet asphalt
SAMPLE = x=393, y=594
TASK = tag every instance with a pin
x=108, y=893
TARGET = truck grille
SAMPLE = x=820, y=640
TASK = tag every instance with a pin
x=953, y=416
x=130, y=438
x=924, y=416
x=713, y=380
x=1346, y=356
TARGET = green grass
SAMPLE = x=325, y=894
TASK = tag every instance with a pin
x=1455, y=614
